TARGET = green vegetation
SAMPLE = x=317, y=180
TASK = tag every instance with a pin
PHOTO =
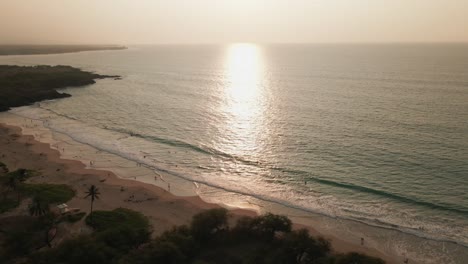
x=7, y=204
x=10, y=187
x=49, y=193
x=120, y=217
x=13, y=189
x=122, y=237
x=52, y=49
x=22, y=85
x=354, y=257
x=3, y=168
x=93, y=193
x=38, y=207
x=22, y=235
x=20, y=175
x=72, y=218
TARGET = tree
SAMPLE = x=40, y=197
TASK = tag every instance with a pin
x=94, y=193
x=83, y=249
x=37, y=207
x=206, y=224
x=13, y=183
x=267, y=225
x=15, y=179
x=302, y=247
x=41, y=209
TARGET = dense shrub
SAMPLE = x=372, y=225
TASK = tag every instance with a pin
x=269, y=224
x=81, y=250
x=357, y=258
x=206, y=224
x=22, y=235
x=122, y=237
x=3, y=168
x=120, y=217
x=72, y=218
x=7, y=204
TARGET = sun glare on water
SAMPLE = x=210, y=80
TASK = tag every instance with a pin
x=243, y=73
x=244, y=97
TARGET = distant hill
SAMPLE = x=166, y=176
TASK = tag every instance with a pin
x=23, y=85
x=52, y=49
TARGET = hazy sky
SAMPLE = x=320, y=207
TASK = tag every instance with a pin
x=220, y=21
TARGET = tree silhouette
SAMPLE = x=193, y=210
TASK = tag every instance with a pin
x=13, y=183
x=37, y=207
x=94, y=193
x=40, y=208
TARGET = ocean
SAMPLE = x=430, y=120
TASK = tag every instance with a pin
x=366, y=140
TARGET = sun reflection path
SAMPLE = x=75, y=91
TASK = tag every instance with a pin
x=244, y=99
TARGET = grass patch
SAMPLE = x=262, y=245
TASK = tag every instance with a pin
x=49, y=193
x=120, y=217
x=8, y=204
x=20, y=174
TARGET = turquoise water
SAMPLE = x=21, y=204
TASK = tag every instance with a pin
x=376, y=134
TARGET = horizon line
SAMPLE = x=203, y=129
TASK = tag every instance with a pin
x=234, y=42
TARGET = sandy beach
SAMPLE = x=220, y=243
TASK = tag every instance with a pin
x=163, y=209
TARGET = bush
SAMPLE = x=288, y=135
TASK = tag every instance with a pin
x=120, y=217
x=206, y=224
x=123, y=238
x=158, y=252
x=22, y=234
x=8, y=204
x=3, y=168
x=269, y=224
x=77, y=251
x=357, y=258
x=21, y=174
x=72, y=218
x=182, y=237
x=300, y=245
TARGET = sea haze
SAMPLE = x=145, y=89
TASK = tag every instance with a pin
x=370, y=133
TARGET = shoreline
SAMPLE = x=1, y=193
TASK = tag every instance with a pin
x=163, y=209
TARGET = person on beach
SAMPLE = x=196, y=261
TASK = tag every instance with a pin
x=169, y=187
x=406, y=261
x=362, y=241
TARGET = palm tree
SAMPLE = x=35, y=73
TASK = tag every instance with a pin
x=41, y=209
x=13, y=183
x=37, y=207
x=94, y=193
